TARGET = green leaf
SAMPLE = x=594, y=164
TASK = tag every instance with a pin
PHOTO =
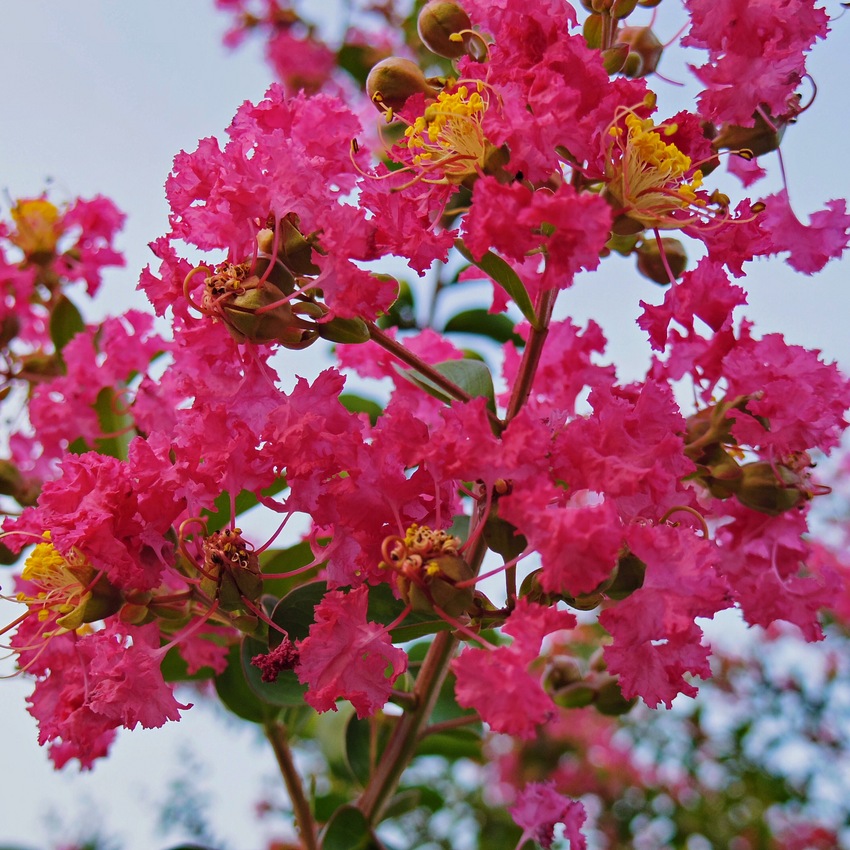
x=244, y=501
x=274, y=561
x=358, y=404
x=464, y=742
x=237, y=696
x=174, y=668
x=478, y=321
x=114, y=423
x=348, y=829
x=286, y=690
x=66, y=322
x=384, y=608
x=295, y=612
x=365, y=741
x=472, y=376
x=497, y=269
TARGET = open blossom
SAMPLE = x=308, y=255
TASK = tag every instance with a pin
x=346, y=657
x=756, y=53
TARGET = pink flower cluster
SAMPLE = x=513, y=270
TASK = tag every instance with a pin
x=537, y=161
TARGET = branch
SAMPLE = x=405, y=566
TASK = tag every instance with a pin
x=276, y=734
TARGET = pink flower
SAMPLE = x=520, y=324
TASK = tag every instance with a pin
x=810, y=247
x=499, y=684
x=539, y=807
x=656, y=640
x=756, y=53
x=346, y=657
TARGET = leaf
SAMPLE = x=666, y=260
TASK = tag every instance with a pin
x=348, y=829
x=472, y=376
x=174, y=668
x=113, y=423
x=497, y=269
x=286, y=690
x=295, y=612
x=358, y=404
x=66, y=322
x=384, y=608
x=237, y=696
x=365, y=741
x=275, y=561
x=244, y=501
x=464, y=742
x=478, y=321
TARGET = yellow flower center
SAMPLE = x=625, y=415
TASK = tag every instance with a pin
x=449, y=137
x=649, y=177
x=64, y=585
x=35, y=222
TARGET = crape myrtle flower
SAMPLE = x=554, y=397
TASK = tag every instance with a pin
x=756, y=53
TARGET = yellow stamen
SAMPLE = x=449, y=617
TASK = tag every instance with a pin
x=449, y=136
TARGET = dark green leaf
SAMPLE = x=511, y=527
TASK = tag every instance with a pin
x=497, y=269
x=244, y=501
x=364, y=742
x=348, y=829
x=286, y=690
x=295, y=612
x=478, y=321
x=472, y=376
x=384, y=608
x=358, y=404
x=276, y=561
x=66, y=322
x=174, y=668
x=114, y=423
x=234, y=692
x=464, y=742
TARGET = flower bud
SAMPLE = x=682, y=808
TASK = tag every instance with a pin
x=438, y=21
x=645, y=46
x=650, y=263
x=577, y=695
x=614, y=58
x=562, y=670
x=344, y=330
x=771, y=489
x=392, y=81
x=752, y=141
x=623, y=8
x=592, y=31
x=609, y=698
x=628, y=577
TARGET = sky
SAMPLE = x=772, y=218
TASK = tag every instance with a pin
x=97, y=97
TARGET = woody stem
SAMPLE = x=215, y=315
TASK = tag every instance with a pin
x=402, y=744
x=276, y=734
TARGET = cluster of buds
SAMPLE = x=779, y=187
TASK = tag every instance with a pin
x=431, y=574
x=575, y=685
x=269, y=299
x=770, y=487
x=632, y=51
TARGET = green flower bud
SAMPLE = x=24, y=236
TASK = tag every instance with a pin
x=392, y=81
x=441, y=26
x=644, y=45
x=609, y=698
x=771, y=489
x=628, y=576
x=651, y=264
